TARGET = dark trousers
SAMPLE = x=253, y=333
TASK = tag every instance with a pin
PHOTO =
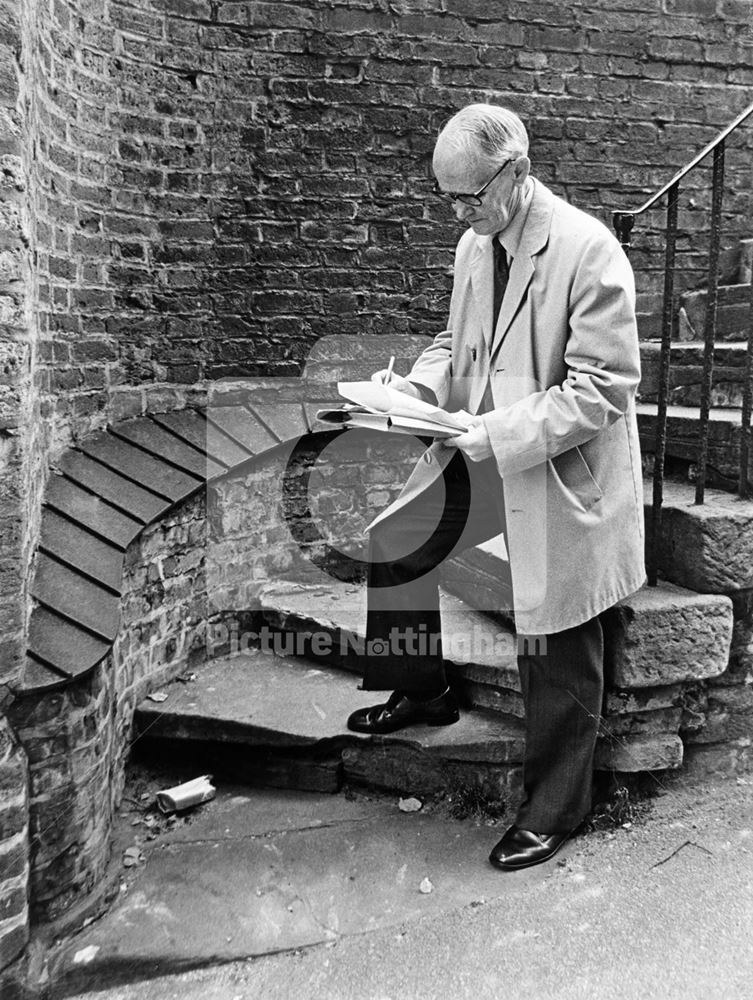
x=562, y=684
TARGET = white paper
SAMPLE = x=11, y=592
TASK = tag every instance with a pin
x=378, y=398
x=190, y=793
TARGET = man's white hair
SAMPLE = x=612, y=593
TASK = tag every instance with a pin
x=487, y=129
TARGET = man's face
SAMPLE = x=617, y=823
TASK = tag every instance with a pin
x=457, y=171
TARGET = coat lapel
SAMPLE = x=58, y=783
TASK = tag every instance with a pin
x=533, y=239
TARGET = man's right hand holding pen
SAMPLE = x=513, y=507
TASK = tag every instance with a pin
x=386, y=376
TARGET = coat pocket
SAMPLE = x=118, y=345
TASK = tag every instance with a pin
x=573, y=472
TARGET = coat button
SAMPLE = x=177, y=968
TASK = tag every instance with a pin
x=427, y=458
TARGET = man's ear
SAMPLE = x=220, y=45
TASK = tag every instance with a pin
x=521, y=169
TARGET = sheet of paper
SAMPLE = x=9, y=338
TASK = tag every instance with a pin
x=382, y=399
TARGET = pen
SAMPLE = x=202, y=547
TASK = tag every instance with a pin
x=388, y=373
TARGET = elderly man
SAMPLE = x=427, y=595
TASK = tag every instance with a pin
x=541, y=347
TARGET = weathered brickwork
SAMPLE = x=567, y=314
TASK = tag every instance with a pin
x=15, y=344
x=14, y=848
x=15, y=514
x=220, y=184
x=65, y=735
x=261, y=531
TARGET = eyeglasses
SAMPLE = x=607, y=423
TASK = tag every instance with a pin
x=469, y=199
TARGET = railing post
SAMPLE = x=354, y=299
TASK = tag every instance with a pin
x=709, y=327
x=660, y=445
x=742, y=486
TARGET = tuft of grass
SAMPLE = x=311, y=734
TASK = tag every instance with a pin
x=625, y=803
x=475, y=803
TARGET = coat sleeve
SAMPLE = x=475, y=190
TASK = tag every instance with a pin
x=602, y=362
x=433, y=369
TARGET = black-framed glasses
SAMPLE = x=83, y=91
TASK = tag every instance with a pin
x=469, y=199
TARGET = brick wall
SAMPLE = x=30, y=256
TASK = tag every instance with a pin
x=14, y=849
x=220, y=184
x=16, y=342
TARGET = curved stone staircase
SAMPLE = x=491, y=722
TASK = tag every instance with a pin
x=273, y=710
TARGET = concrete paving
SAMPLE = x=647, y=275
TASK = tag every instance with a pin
x=276, y=894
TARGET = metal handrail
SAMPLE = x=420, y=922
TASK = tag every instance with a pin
x=623, y=222
x=693, y=163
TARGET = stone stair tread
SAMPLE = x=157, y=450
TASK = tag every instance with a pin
x=243, y=427
x=285, y=420
x=718, y=503
x=167, y=446
x=481, y=648
x=72, y=544
x=192, y=426
x=733, y=347
x=261, y=699
x=61, y=645
x=706, y=547
x=111, y=487
x=90, y=511
x=134, y=463
x=716, y=413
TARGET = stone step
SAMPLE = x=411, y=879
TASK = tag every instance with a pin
x=683, y=427
x=658, y=636
x=271, y=720
x=480, y=653
x=276, y=721
x=686, y=373
x=660, y=643
x=732, y=313
x=708, y=547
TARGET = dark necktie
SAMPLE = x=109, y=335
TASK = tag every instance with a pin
x=501, y=274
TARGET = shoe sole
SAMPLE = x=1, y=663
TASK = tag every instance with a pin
x=371, y=731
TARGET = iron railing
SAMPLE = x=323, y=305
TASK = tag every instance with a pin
x=623, y=222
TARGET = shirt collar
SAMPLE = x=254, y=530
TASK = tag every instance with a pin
x=511, y=234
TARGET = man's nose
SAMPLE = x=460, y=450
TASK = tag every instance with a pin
x=462, y=211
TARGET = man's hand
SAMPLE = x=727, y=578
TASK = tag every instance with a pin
x=474, y=442
x=396, y=382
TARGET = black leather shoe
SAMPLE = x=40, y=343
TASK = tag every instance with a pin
x=522, y=848
x=400, y=711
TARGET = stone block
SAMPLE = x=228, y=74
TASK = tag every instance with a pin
x=14, y=936
x=663, y=635
x=14, y=856
x=683, y=435
x=709, y=760
x=660, y=751
x=729, y=717
x=13, y=819
x=12, y=903
x=662, y=720
x=707, y=547
x=406, y=769
x=12, y=776
x=643, y=699
x=13, y=981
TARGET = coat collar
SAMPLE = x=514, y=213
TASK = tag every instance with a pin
x=533, y=237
